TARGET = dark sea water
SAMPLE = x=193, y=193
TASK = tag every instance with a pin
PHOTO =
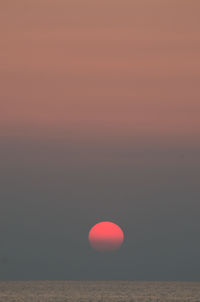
x=97, y=291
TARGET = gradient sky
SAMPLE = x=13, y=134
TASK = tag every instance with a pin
x=99, y=120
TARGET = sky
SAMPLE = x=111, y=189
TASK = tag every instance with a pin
x=99, y=120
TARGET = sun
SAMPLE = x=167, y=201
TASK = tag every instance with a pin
x=106, y=236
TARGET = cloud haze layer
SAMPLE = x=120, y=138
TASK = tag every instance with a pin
x=81, y=68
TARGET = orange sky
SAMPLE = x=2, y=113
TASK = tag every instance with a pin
x=100, y=69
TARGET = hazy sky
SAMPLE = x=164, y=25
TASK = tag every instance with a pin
x=99, y=120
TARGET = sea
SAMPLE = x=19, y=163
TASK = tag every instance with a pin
x=98, y=291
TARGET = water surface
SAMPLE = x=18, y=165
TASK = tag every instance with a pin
x=98, y=291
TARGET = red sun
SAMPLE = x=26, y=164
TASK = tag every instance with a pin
x=106, y=236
